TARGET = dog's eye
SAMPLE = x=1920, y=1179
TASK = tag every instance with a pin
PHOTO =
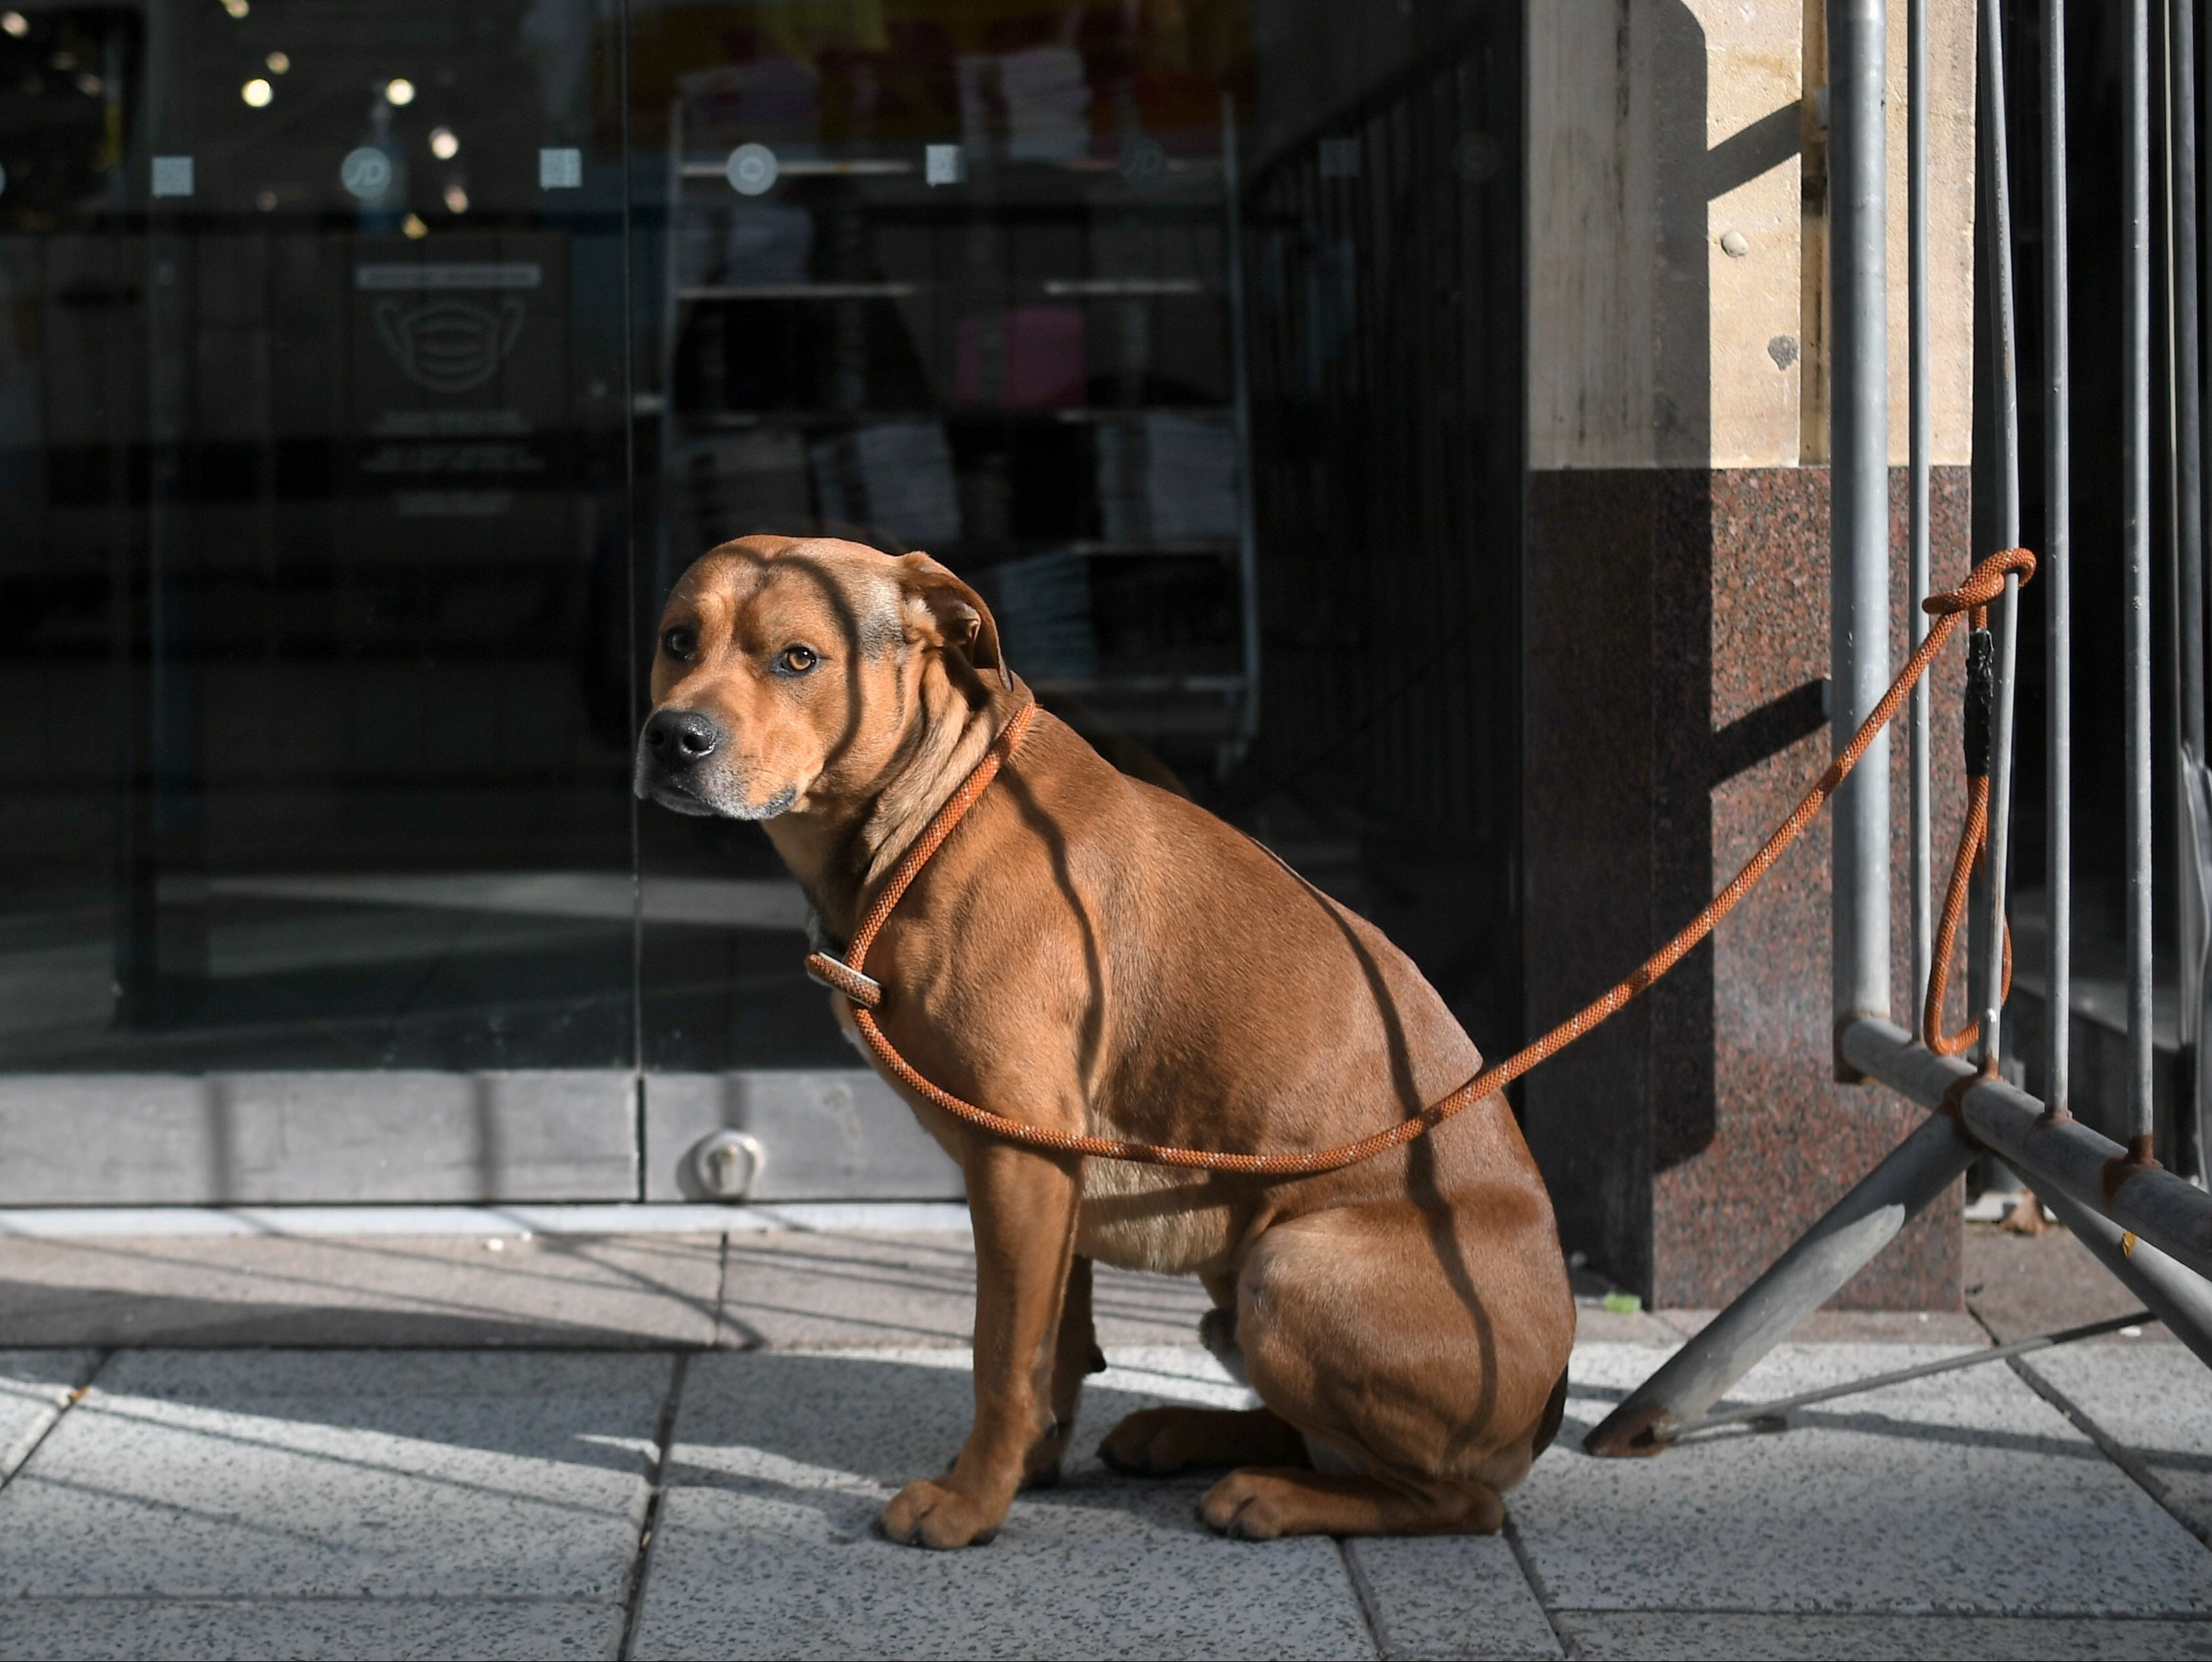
x=797, y=659
x=679, y=643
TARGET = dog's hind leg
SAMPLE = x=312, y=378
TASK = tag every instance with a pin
x=1257, y=1504
x=1420, y=1357
x=1157, y=1442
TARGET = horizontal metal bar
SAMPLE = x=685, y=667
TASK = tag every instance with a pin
x=858, y=166
x=1775, y=1410
x=808, y=167
x=1122, y=288
x=1057, y=288
x=2062, y=1154
x=2177, y=1297
x=797, y=291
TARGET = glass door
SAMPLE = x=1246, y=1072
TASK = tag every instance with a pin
x=318, y=870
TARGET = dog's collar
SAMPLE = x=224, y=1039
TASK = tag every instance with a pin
x=843, y=973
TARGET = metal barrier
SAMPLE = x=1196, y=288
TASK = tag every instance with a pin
x=2148, y=1226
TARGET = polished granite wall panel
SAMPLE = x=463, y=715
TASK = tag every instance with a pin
x=1677, y=651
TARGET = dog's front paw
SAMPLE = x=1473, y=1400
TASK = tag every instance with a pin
x=925, y=1514
x=1245, y=1505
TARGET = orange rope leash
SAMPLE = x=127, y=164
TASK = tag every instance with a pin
x=1973, y=854
x=1981, y=586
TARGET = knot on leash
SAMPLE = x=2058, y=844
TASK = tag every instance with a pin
x=1984, y=584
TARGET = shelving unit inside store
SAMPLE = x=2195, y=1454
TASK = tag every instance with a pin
x=1027, y=360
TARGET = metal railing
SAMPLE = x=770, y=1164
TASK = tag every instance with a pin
x=2148, y=1226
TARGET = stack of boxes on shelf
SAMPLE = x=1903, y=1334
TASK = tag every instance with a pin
x=1167, y=478
x=890, y=474
x=730, y=484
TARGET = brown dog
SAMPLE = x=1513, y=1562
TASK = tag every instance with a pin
x=1091, y=954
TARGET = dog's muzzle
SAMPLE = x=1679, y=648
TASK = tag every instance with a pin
x=670, y=752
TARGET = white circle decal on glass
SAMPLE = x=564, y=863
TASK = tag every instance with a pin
x=366, y=173
x=751, y=170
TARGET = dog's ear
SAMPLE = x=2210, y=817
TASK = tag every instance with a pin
x=958, y=616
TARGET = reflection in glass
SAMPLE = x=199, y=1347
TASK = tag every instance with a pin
x=1186, y=335
x=316, y=545
x=350, y=440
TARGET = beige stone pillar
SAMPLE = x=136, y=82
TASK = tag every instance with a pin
x=1676, y=615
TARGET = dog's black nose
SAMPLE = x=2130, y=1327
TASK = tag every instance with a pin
x=677, y=738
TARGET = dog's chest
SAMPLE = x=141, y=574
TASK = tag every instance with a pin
x=1149, y=1217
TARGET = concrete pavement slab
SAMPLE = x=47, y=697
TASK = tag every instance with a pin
x=342, y=1473
x=791, y=1291
x=781, y=1460
x=543, y=1218
x=2024, y=1285
x=1724, y=1638
x=34, y=1387
x=377, y=1290
x=310, y=1629
x=1954, y=1328
x=1964, y=1493
x=2154, y=1397
x=1449, y=1597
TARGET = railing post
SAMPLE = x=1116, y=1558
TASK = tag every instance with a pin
x=2135, y=551
x=2186, y=621
x=2056, y=572
x=1858, y=581
x=1920, y=875
x=1987, y=988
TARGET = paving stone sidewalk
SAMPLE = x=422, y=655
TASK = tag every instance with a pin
x=673, y=1447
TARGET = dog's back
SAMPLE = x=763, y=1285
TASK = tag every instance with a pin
x=1199, y=993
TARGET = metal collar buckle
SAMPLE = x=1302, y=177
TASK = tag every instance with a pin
x=840, y=977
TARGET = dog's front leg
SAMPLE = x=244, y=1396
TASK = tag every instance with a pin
x=1076, y=1357
x=1023, y=1204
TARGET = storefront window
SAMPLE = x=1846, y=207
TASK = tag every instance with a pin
x=367, y=372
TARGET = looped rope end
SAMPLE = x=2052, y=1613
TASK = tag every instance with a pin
x=1984, y=584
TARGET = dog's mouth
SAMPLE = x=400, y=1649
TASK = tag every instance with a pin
x=680, y=798
x=675, y=797
x=781, y=803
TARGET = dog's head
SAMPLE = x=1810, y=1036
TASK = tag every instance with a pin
x=788, y=669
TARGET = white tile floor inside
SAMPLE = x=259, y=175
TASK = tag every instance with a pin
x=497, y=1503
